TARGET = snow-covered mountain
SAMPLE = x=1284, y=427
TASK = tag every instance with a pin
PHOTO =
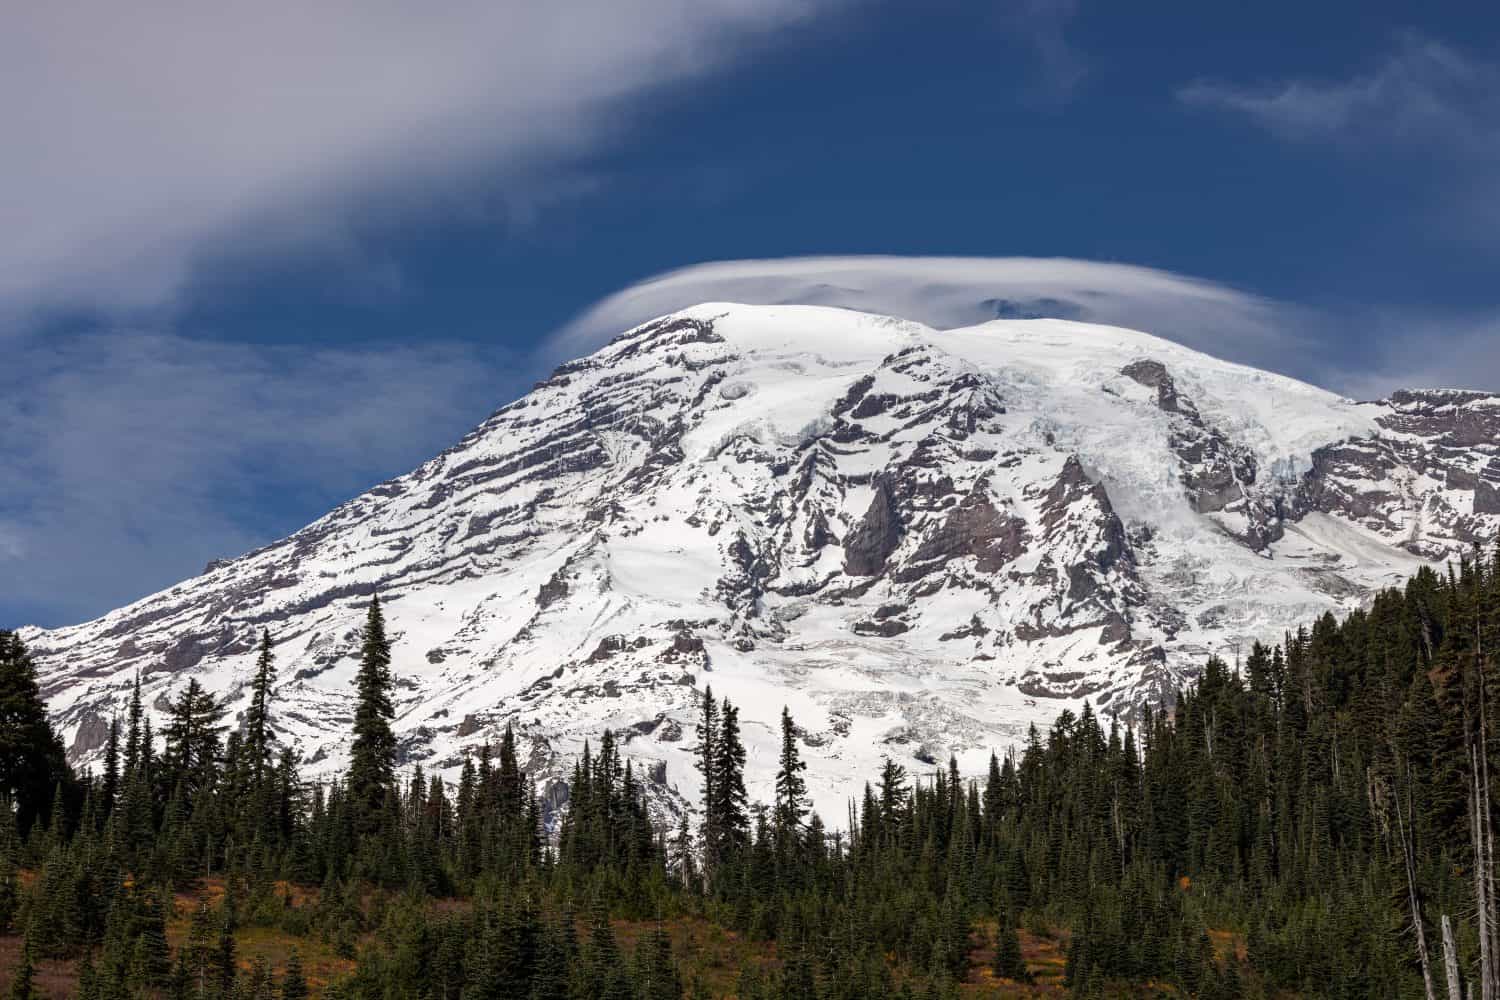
x=920, y=541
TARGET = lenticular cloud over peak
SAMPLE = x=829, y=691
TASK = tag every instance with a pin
x=947, y=292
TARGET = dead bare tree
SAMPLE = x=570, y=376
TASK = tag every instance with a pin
x=1450, y=962
x=1403, y=826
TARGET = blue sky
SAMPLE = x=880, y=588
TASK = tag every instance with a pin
x=258, y=261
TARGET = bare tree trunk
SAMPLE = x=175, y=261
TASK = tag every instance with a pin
x=1481, y=884
x=1481, y=831
x=1450, y=961
x=1416, y=909
x=1119, y=825
x=1486, y=827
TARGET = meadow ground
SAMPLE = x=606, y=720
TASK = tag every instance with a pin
x=706, y=952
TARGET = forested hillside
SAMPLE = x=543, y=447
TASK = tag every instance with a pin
x=1312, y=821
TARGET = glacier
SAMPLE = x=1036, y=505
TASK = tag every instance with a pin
x=920, y=541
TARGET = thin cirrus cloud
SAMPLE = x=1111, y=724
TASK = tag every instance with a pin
x=139, y=137
x=1423, y=101
x=144, y=141
x=1042, y=25
x=1424, y=104
x=1422, y=90
x=147, y=454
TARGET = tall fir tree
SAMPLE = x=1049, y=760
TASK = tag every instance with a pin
x=372, y=765
x=707, y=763
x=732, y=802
x=294, y=980
x=135, y=717
x=1009, y=963
x=192, y=741
x=32, y=765
x=791, y=786
x=258, y=716
x=110, y=789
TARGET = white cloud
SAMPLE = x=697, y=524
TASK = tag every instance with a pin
x=138, y=136
x=1406, y=348
x=1363, y=351
x=1421, y=92
x=1042, y=26
x=1428, y=114
x=956, y=291
x=1432, y=112
x=136, y=457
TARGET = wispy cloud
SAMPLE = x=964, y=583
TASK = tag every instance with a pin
x=147, y=142
x=1043, y=24
x=1424, y=103
x=1399, y=348
x=1431, y=111
x=1422, y=91
x=1410, y=348
x=144, y=455
x=139, y=136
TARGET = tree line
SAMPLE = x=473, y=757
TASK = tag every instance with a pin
x=1314, y=820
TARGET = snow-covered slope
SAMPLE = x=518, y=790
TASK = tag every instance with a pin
x=920, y=541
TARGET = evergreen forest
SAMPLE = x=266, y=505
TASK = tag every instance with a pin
x=1313, y=821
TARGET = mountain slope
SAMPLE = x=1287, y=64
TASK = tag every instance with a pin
x=920, y=541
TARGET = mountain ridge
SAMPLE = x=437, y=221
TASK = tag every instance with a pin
x=922, y=540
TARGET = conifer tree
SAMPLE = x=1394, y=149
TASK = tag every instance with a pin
x=192, y=737
x=133, y=735
x=708, y=766
x=10, y=895
x=110, y=790
x=656, y=975
x=224, y=965
x=732, y=802
x=32, y=765
x=258, y=717
x=372, y=765
x=791, y=787
x=509, y=776
x=892, y=795
x=88, y=980
x=198, y=952
x=260, y=985
x=1008, y=961
x=294, y=981
x=154, y=956
x=23, y=984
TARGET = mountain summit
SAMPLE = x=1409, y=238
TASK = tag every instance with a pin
x=921, y=541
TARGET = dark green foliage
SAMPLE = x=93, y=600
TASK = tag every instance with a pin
x=258, y=716
x=293, y=982
x=1008, y=961
x=32, y=767
x=730, y=801
x=791, y=787
x=23, y=983
x=711, y=835
x=192, y=734
x=1295, y=803
x=372, y=766
x=656, y=975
